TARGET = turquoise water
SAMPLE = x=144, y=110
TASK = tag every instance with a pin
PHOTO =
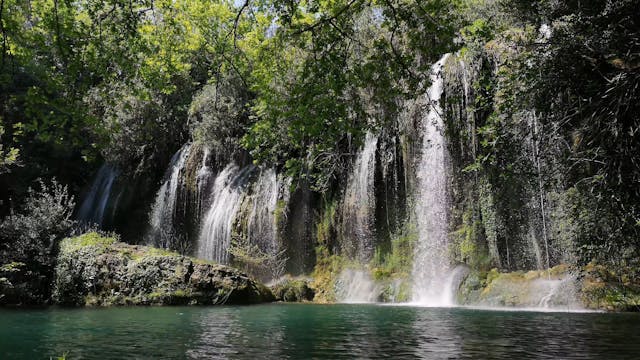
x=281, y=331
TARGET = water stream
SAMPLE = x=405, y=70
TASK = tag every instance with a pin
x=215, y=234
x=163, y=212
x=95, y=203
x=431, y=265
x=359, y=202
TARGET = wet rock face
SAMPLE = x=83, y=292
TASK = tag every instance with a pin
x=102, y=272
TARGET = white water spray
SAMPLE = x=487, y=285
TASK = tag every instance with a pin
x=215, y=235
x=356, y=287
x=359, y=201
x=431, y=269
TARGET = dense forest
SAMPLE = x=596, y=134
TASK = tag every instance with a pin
x=540, y=104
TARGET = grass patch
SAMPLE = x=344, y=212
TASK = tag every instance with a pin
x=88, y=239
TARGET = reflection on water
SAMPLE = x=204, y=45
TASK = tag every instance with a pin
x=314, y=331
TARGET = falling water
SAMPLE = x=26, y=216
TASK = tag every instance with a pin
x=215, y=234
x=556, y=293
x=356, y=286
x=95, y=203
x=164, y=209
x=261, y=226
x=203, y=180
x=431, y=266
x=359, y=201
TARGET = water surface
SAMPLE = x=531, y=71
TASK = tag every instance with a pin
x=294, y=331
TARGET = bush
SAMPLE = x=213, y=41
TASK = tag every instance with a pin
x=30, y=238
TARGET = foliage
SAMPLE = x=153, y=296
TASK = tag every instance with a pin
x=32, y=235
x=9, y=156
x=298, y=85
x=582, y=76
x=399, y=261
x=28, y=244
x=466, y=246
x=218, y=117
x=328, y=268
x=334, y=70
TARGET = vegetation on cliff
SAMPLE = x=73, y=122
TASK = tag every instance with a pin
x=94, y=270
x=541, y=121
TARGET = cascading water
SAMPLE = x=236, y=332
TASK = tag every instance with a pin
x=359, y=201
x=261, y=224
x=215, y=234
x=356, y=286
x=203, y=180
x=95, y=203
x=431, y=268
x=165, y=206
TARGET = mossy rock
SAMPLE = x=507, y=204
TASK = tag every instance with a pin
x=97, y=271
x=555, y=287
x=293, y=290
x=605, y=288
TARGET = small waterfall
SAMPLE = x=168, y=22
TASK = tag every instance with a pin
x=215, y=234
x=356, y=287
x=556, y=293
x=431, y=264
x=359, y=201
x=163, y=212
x=261, y=224
x=95, y=203
x=203, y=181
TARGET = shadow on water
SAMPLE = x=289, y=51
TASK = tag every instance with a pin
x=281, y=331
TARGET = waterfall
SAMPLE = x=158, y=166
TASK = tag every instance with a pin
x=359, y=201
x=261, y=223
x=431, y=266
x=95, y=203
x=163, y=212
x=203, y=180
x=356, y=287
x=215, y=234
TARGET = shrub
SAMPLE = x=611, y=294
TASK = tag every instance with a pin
x=30, y=238
x=33, y=234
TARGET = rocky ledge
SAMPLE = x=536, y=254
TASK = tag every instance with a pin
x=99, y=271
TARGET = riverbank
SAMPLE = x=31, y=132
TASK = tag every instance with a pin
x=95, y=270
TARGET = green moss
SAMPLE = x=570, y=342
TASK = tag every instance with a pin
x=328, y=268
x=492, y=275
x=328, y=265
x=611, y=289
x=397, y=262
x=279, y=213
x=327, y=224
x=466, y=246
x=88, y=239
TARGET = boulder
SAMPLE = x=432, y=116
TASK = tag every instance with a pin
x=99, y=271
